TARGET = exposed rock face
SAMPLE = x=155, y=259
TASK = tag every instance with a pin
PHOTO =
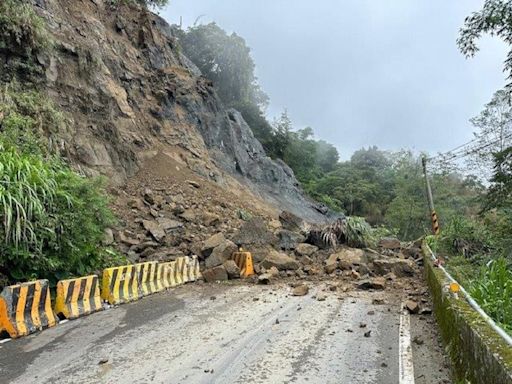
x=128, y=92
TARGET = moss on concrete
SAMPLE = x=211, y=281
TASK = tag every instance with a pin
x=478, y=353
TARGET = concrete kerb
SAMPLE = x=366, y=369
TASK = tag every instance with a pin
x=478, y=353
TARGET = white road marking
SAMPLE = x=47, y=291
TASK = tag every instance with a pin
x=63, y=321
x=5, y=341
x=405, y=362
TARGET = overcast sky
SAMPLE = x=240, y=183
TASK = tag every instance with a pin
x=363, y=72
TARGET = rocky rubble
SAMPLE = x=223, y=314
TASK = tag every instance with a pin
x=164, y=217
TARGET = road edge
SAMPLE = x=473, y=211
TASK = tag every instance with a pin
x=477, y=352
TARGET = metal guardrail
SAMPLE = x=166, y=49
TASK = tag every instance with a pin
x=500, y=331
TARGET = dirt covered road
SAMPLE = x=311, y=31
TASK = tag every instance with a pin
x=222, y=333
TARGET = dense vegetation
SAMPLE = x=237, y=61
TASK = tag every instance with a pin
x=52, y=220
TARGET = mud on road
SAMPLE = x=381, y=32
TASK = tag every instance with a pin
x=232, y=333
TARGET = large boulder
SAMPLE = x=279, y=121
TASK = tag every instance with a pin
x=254, y=232
x=289, y=240
x=232, y=269
x=280, y=260
x=217, y=273
x=154, y=229
x=211, y=243
x=331, y=263
x=259, y=252
x=292, y=222
x=400, y=267
x=221, y=253
x=305, y=249
x=350, y=257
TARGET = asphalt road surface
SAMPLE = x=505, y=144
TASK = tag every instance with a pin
x=221, y=333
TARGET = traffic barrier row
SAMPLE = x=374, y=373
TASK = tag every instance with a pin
x=26, y=308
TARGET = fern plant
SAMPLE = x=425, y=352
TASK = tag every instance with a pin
x=353, y=231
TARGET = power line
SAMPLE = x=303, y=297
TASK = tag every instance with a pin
x=463, y=153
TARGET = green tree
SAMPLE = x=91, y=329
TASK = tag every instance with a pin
x=225, y=60
x=494, y=19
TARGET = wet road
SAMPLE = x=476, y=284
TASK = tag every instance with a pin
x=232, y=334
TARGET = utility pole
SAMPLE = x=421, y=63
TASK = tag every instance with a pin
x=435, y=221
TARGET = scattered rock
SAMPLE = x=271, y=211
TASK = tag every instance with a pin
x=291, y=222
x=221, y=253
x=417, y=340
x=212, y=242
x=399, y=267
x=305, y=249
x=264, y=278
x=373, y=283
x=218, y=273
x=136, y=203
x=154, y=229
x=104, y=360
x=301, y=290
x=289, y=240
x=126, y=238
x=389, y=243
x=425, y=311
x=279, y=260
x=194, y=184
x=189, y=215
x=149, y=196
x=254, y=232
x=232, y=269
x=368, y=333
x=321, y=296
x=350, y=257
x=412, y=306
x=168, y=224
x=331, y=263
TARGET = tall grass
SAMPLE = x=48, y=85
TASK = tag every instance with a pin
x=493, y=291
x=27, y=190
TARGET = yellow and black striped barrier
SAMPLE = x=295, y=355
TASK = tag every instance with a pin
x=120, y=284
x=26, y=308
x=148, y=278
x=182, y=270
x=194, y=272
x=78, y=297
x=244, y=262
x=166, y=274
x=178, y=278
x=435, y=223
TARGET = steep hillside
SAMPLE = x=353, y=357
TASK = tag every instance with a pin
x=128, y=94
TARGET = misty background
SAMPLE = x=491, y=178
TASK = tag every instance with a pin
x=363, y=72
